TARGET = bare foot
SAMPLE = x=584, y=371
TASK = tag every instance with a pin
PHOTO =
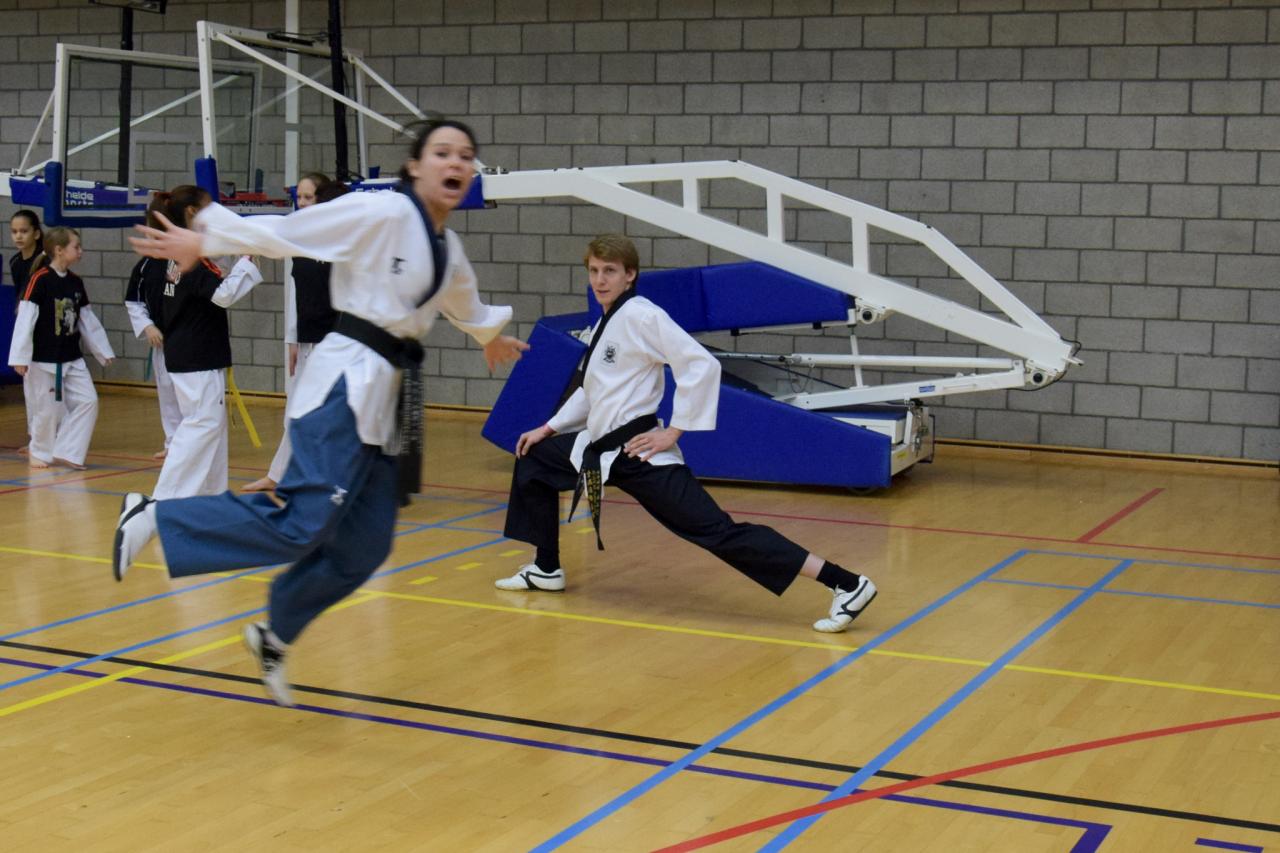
x=266, y=484
x=160, y=454
x=33, y=462
x=75, y=466
x=23, y=450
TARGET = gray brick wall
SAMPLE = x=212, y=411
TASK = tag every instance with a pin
x=1116, y=164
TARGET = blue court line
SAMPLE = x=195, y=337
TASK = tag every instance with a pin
x=474, y=530
x=1139, y=561
x=216, y=581
x=931, y=719
x=215, y=623
x=1093, y=831
x=1228, y=845
x=1136, y=594
x=571, y=832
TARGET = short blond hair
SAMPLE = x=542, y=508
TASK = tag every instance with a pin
x=614, y=247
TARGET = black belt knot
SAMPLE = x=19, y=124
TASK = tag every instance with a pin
x=590, y=478
x=406, y=354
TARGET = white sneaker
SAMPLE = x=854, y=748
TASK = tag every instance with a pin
x=270, y=660
x=134, y=529
x=530, y=577
x=845, y=607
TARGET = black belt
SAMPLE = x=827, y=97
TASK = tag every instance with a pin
x=590, y=478
x=406, y=354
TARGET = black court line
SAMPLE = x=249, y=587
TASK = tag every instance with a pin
x=1066, y=799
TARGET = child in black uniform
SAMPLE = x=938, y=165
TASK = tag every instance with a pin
x=28, y=239
x=144, y=300
x=62, y=406
x=197, y=352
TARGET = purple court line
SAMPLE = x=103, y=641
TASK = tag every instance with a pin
x=1228, y=845
x=1088, y=843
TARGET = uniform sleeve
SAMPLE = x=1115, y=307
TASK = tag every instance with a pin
x=572, y=416
x=23, y=330
x=94, y=336
x=460, y=303
x=337, y=230
x=290, y=303
x=139, y=316
x=244, y=276
x=696, y=372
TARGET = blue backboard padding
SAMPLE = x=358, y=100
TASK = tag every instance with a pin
x=207, y=176
x=760, y=439
x=752, y=295
x=532, y=392
x=737, y=296
x=756, y=438
x=474, y=199
x=28, y=192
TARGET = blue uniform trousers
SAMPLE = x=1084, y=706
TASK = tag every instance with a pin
x=335, y=526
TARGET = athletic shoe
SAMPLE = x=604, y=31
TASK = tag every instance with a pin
x=134, y=529
x=530, y=577
x=845, y=607
x=270, y=663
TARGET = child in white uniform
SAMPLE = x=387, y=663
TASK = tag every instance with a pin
x=53, y=316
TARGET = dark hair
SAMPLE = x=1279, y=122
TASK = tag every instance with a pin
x=320, y=179
x=34, y=220
x=426, y=128
x=330, y=191
x=180, y=198
x=158, y=204
x=616, y=248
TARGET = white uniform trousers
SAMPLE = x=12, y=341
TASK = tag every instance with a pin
x=281, y=460
x=170, y=412
x=60, y=429
x=197, y=460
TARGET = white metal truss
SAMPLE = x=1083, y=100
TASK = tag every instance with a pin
x=247, y=40
x=1041, y=355
x=57, y=105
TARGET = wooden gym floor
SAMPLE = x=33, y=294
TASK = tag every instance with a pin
x=1067, y=653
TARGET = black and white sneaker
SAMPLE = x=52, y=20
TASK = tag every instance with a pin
x=270, y=659
x=134, y=529
x=530, y=577
x=846, y=606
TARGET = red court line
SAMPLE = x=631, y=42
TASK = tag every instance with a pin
x=820, y=808
x=1024, y=537
x=1088, y=537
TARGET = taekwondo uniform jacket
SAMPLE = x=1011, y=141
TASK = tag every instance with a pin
x=52, y=316
x=382, y=268
x=624, y=381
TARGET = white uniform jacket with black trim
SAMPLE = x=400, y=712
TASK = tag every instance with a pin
x=625, y=380
x=382, y=268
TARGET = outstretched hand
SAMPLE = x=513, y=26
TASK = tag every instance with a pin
x=503, y=349
x=174, y=243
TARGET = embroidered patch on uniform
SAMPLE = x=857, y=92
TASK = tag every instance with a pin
x=338, y=495
x=610, y=354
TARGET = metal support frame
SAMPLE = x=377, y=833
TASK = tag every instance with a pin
x=1042, y=354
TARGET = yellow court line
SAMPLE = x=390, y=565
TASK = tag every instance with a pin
x=29, y=552
x=1064, y=673
x=753, y=638
x=511, y=553
x=138, y=670
x=467, y=566
x=1146, y=682
x=424, y=579
x=115, y=676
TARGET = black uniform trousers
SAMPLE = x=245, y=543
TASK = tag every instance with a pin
x=670, y=493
